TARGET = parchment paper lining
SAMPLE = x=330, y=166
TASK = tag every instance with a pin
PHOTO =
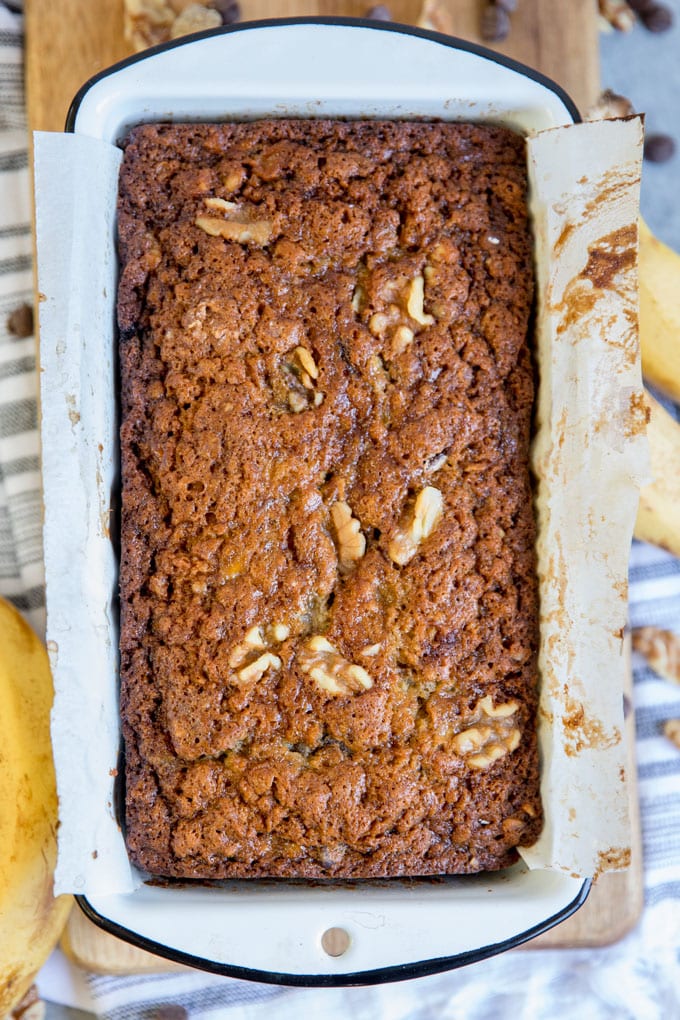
x=589, y=456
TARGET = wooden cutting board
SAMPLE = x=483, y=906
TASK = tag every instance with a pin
x=69, y=41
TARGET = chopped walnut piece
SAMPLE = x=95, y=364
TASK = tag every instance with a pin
x=370, y=650
x=437, y=463
x=426, y=514
x=330, y=670
x=377, y=373
x=377, y=323
x=609, y=104
x=147, y=22
x=306, y=371
x=233, y=180
x=403, y=337
x=351, y=543
x=220, y=204
x=661, y=648
x=296, y=402
x=471, y=739
x=358, y=298
x=244, y=231
x=256, y=670
x=499, y=711
x=491, y=735
x=279, y=632
x=194, y=18
x=414, y=305
x=485, y=758
x=253, y=641
x=307, y=361
x=318, y=643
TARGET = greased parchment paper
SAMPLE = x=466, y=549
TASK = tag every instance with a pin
x=589, y=455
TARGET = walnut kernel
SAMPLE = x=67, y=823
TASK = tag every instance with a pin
x=253, y=641
x=491, y=736
x=499, y=711
x=351, y=543
x=378, y=323
x=414, y=305
x=256, y=670
x=330, y=670
x=471, y=739
x=426, y=514
x=194, y=18
x=370, y=650
x=220, y=204
x=307, y=362
x=661, y=648
x=296, y=402
x=403, y=337
x=244, y=231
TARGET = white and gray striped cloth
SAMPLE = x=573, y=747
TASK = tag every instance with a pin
x=637, y=979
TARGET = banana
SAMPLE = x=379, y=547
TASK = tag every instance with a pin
x=31, y=919
x=659, y=269
x=658, y=519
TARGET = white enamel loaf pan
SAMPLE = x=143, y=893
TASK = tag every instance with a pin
x=272, y=931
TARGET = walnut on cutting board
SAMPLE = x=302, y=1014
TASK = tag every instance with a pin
x=150, y=22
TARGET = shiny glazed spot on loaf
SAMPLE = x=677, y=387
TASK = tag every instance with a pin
x=328, y=594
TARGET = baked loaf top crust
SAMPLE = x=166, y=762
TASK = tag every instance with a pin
x=328, y=595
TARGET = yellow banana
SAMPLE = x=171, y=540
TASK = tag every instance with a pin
x=31, y=919
x=659, y=313
x=658, y=519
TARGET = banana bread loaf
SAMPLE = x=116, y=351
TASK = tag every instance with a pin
x=327, y=584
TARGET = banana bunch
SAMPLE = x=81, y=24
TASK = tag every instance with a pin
x=659, y=271
x=31, y=919
x=658, y=518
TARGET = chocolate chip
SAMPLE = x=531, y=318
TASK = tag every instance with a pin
x=169, y=1012
x=659, y=148
x=20, y=322
x=508, y=5
x=379, y=13
x=657, y=18
x=495, y=23
x=639, y=6
x=229, y=10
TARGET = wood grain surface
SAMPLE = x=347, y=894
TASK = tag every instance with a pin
x=69, y=41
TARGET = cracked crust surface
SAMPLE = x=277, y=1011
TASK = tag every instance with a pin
x=233, y=455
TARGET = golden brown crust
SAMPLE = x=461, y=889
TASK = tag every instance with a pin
x=326, y=411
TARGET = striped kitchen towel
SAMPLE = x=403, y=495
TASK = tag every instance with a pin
x=21, y=576
x=637, y=979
